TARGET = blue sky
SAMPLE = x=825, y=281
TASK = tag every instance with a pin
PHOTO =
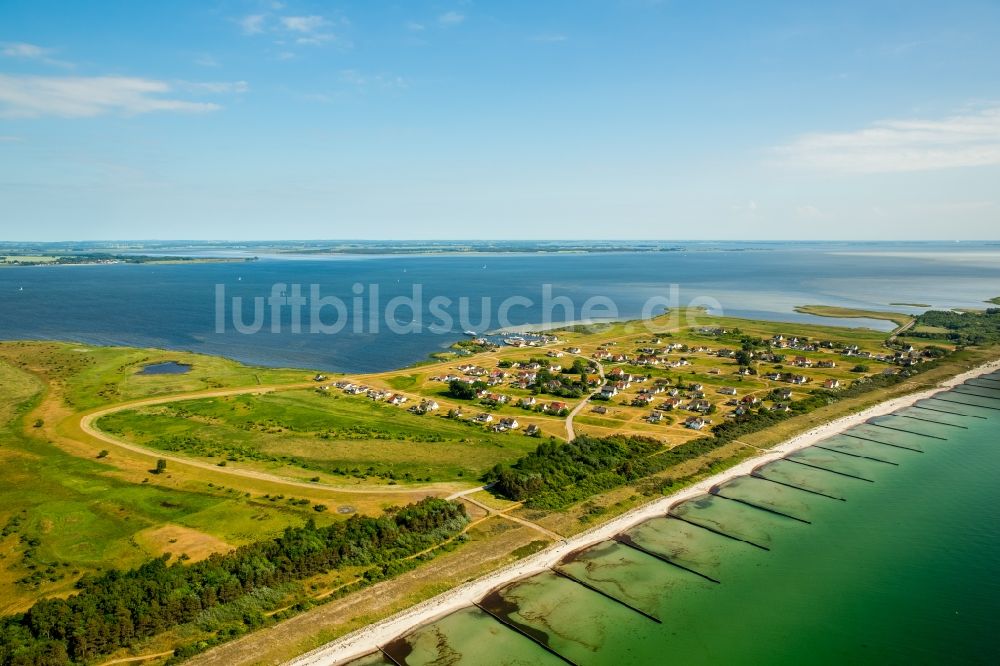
x=451, y=119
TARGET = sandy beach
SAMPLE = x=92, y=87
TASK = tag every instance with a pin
x=522, y=329
x=369, y=638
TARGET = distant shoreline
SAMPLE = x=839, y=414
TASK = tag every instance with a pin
x=118, y=260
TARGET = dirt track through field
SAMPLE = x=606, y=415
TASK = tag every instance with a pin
x=88, y=419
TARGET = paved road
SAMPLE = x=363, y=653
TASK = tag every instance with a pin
x=902, y=329
x=570, y=434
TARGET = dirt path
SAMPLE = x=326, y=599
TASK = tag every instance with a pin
x=132, y=660
x=502, y=513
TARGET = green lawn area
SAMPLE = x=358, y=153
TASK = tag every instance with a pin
x=92, y=376
x=933, y=330
x=332, y=433
x=62, y=516
x=403, y=382
x=29, y=258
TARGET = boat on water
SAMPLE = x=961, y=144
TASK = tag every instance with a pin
x=472, y=333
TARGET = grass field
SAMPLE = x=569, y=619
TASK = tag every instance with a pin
x=63, y=515
x=89, y=376
x=65, y=512
x=334, y=434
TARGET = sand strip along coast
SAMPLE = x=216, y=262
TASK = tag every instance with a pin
x=368, y=639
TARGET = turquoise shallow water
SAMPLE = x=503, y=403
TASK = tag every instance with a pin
x=881, y=547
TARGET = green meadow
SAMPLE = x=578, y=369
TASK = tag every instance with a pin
x=324, y=432
x=63, y=515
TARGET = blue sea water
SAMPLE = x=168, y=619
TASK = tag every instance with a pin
x=174, y=306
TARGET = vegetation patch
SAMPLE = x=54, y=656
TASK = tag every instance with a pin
x=960, y=328
x=853, y=313
x=120, y=608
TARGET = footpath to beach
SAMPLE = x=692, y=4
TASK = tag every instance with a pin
x=369, y=638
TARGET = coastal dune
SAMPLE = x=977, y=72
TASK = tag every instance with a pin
x=371, y=637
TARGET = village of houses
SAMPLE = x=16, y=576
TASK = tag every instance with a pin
x=670, y=387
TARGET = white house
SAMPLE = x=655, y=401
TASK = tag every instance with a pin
x=695, y=423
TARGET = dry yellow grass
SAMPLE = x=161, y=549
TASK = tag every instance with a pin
x=179, y=540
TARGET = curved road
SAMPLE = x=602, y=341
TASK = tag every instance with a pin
x=88, y=419
x=87, y=425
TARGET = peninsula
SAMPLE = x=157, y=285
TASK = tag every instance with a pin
x=497, y=456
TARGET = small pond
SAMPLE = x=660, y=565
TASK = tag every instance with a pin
x=167, y=368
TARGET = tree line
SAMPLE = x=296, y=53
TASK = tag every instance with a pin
x=963, y=328
x=546, y=476
x=118, y=608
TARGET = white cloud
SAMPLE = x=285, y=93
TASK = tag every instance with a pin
x=964, y=140
x=304, y=24
x=413, y=26
x=312, y=29
x=82, y=97
x=451, y=18
x=9, y=138
x=207, y=60
x=25, y=51
x=314, y=40
x=252, y=24
x=549, y=38
x=290, y=31
x=22, y=50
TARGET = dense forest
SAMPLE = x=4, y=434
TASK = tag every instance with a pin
x=554, y=474
x=119, y=608
x=964, y=328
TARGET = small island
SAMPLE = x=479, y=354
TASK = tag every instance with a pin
x=102, y=258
